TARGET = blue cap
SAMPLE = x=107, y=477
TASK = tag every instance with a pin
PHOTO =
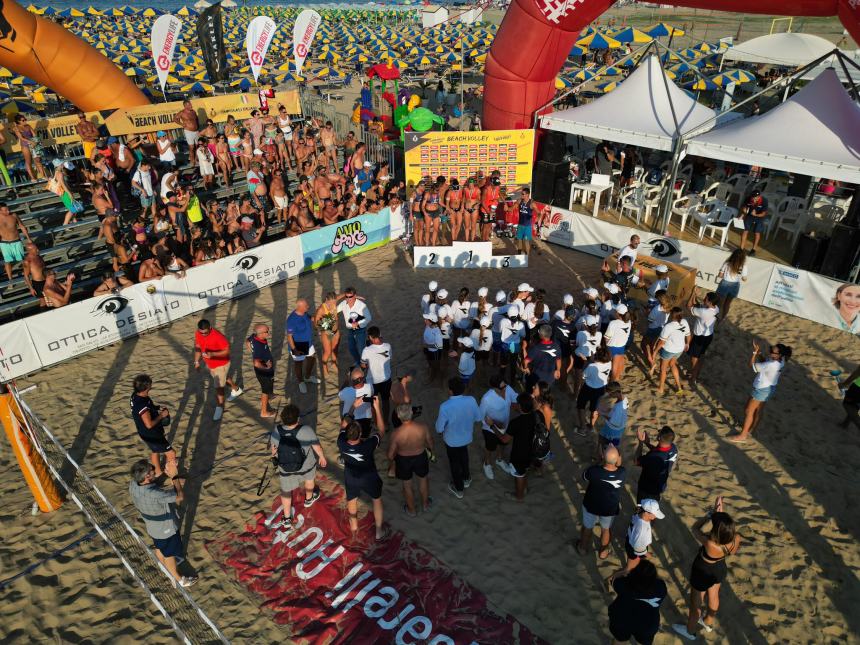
x=112, y=140
x=161, y=133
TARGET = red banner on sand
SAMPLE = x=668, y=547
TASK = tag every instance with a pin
x=333, y=588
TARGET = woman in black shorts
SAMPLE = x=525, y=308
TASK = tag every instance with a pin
x=635, y=612
x=709, y=570
x=596, y=376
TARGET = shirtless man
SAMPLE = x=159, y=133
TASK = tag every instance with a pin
x=150, y=269
x=321, y=184
x=454, y=206
x=329, y=213
x=123, y=158
x=410, y=448
x=34, y=272
x=88, y=133
x=279, y=196
x=471, y=203
x=111, y=284
x=110, y=232
x=57, y=294
x=328, y=136
x=10, y=240
x=187, y=118
x=101, y=199
x=302, y=214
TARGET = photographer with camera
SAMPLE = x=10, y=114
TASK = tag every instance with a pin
x=358, y=401
x=296, y=453
x=151, y=420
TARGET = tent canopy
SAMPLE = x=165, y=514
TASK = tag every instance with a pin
x=824, y=127
x=638, y=112
x=788, y=50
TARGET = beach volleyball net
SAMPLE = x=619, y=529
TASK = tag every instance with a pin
x=184, y=615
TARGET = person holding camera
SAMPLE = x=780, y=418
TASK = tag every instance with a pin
x=358, y=401
x=360, y=474
x=150, y=421
x=296, y=453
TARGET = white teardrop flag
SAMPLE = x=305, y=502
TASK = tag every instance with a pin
x=303, y=35
x=261, y=30
x=165, y=33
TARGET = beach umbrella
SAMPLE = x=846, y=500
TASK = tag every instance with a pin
x=71, y=13
x=608, y=87
x=584, y=75
x=197, y=87
x=36, y=10
x=116, y=12
x=185, y=11
x=328, y=57
x=149, y=12
x=561, y=82
x=683, y=68
x=5, y=73
x=243, y=84
x=125, y=59
x=422, y=60
x=598, y=41
x=701, y=85
x=23, y=80
x=631, y=35
x=170, y=79
x=92, y=11
x=451, y=58
x=136, y=71
x=49, y=11
x=16, y=106
x=663, y=29
x=576, y=52
x=611, y=71
x=733, y=76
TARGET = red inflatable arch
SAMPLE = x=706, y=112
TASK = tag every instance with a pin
x=536, y=37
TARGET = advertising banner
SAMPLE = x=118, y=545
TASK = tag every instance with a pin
x=210, y=34
x=238, y=275
x=338, y=241
x=331, y=587
x=261, y=30
x=159, y=116
x=463, y=154
x=814, y=297
x=165, y=33
x=54, y=130
x=83, y=326
x=303, y=35
x=17, y=354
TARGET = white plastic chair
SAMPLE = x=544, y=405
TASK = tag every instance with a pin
x=652, y=200
x=682, y=207
x=794, y=223
x=714, y=217
x=741, y=185
x=632, y=199
x=786, y=208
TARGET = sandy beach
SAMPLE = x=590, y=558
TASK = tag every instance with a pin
x=792, y=489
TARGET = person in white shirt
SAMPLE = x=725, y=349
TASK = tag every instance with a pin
x=661, y=282
x=357, y=400
x=376, y=361
x=524, y=293
x=536, y=312
x=657, y=317
x=674, y=340
x=587, y=342
x=433, y=345
x=481, y=307
x=731, y=274
x=466, y=366
x=512, y=331
x=498, y=312
x=704, y=320
x=141, y=183
x=616, y=336
x=595, y=379
x=482, y=339
x=631, y=251
x=357, y=317
x=443, y=312
x=639, y=536
x=767, y=370
x=169, y=183
x=567, y=301
x=460, y=309
x=612, y=418
x=495, y=408
x=611, y=298
x=166, y=149
x=429, y=298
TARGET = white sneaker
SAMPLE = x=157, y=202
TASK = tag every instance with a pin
x=505, y=466
x=234, y=394
x=488, y=471
x=219, y=412
x=456, y=493
x=303, y=388
x=467, y=483
x=681, y=630
x=187, y=581
x=312, y=379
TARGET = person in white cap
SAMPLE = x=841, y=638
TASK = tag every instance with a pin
x=480, y=307
x=443, y=312
x=497, y=314
x=591, y=296
x=511, y=329
x=466, y=367
x=564, y=333
x=588, y=340
x=639, y=536
x=432, y=344
x=460, y=309
x=523, y=295
x=567, y=301
x=595, y=378
x=611, y=298
x=616, y=336
x=657, y=317
x=674, y=340
x=428, y=299
x=661, y=282
x=482, y=339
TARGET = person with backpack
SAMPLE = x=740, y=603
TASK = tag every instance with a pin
x=297, y=452
x=527, y=433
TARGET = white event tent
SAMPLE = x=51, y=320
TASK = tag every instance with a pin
x=638, y=112
x=787, y=50
x=816, y=132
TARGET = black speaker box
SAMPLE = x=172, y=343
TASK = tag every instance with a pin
x=844, y=244
x=544, y=177
x=552, y=147
x=810, y=253
x=561, y=195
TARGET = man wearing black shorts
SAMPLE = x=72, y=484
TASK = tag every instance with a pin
x=543, y=360
x=564, y=333
x=150, y=420
x=656, y=464
x=264, y=367
x=410, y=449
x=360, y=473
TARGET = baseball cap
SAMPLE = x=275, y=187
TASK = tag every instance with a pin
x=257, y=151
x=591, y=292
x=433, y=285
x=591, y=321
x=513, y=310
x=367, y=164
x=442, y=293
x=68, y=165
x=611, y=287
x=247, y=220
x=501, y=296
x=662, y=268
x=431, y=317
x=161, y=133
x=568, y=299
x=482, y=292
x=465, y=341
x=486, y=321
x=622, y=308
x=525, y=286
x=653, y=507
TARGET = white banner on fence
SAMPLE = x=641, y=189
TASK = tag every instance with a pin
x=814, y=297
x=17, y=354
x=261, y=30
x=165, y=34
x=465, y=255
x=237, y=275
x=597, y=237
x=83, y=326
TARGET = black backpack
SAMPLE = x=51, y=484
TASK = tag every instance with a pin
x=540, y=441
x=291, y=457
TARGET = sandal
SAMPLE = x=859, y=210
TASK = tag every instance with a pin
x=604, y=553
x=708, y=628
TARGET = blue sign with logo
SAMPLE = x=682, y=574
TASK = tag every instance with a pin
x=338, y=241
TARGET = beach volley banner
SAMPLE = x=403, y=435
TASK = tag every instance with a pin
x=55, y=130
x=238, y=275
x=150, y=118
x=463, y=154
x=339, y=241
x=165, y=34
x=814, y=297
x=332, y=588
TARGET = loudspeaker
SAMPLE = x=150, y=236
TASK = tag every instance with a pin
x=552, y=147
x=544, y=178
x=799, y=186
x=844, y=244
x=561, y=194
x=810, y=253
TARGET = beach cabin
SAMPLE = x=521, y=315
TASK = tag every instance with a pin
x=433, y=15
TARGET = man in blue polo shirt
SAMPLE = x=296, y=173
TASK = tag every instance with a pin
x=264, y=367
x=456, y=422
x=300, y=331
